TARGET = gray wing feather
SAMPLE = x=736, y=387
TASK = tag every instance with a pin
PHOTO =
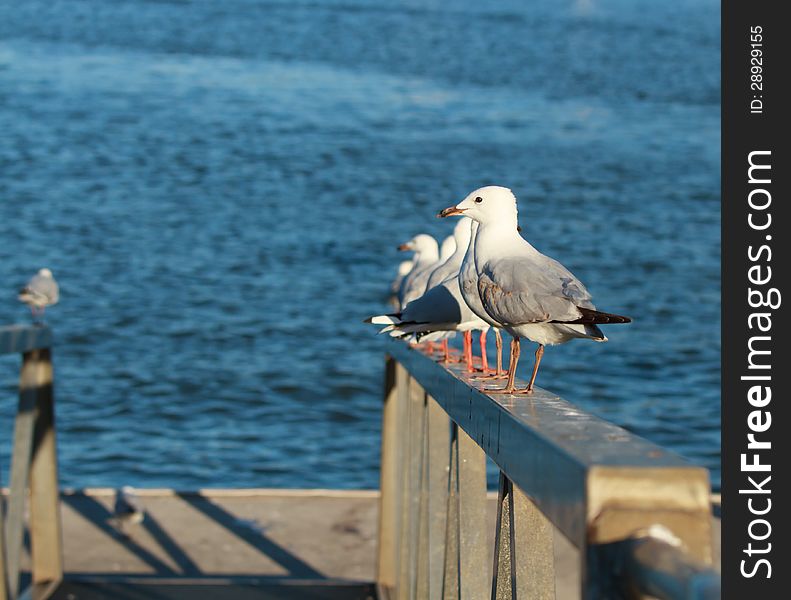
x=518, y=291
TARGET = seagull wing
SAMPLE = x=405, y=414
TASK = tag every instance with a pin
x=523, y=290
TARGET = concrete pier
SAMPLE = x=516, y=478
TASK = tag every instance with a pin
x=250, y=543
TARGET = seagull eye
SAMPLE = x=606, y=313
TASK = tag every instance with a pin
x=478, y=200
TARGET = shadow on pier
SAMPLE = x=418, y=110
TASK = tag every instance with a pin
x=219, y=544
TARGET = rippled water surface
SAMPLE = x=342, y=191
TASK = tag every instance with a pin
x=220, y=186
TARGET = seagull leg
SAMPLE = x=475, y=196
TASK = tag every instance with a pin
x=498, y=341
x=539, y=354
x=447, y=354
x=499, y=373
x=514, y=359
x=468, y=351
x=484, y=358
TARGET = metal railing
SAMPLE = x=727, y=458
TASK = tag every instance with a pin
x=34, y=474
x=639, y=515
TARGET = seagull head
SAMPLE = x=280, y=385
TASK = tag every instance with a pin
x=488, y=204
x=421, y=244
x=45, y=272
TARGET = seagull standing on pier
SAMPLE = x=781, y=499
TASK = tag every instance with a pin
x=41, y=291
x=526, y=293
x=426, y=256
x=404, y=267
x=441, y=309
x=127, y=509
x=468, y=285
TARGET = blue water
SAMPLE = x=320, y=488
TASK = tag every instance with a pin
x=219, y=187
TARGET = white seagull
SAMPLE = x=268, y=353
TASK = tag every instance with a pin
x=426, y=256
x=441, y=308
x=468, y=284
x=127, y=509
x=525, y=292
x=41, y=291
x=404, y=267
x=451, y=265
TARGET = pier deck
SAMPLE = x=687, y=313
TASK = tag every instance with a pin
x=263, y=543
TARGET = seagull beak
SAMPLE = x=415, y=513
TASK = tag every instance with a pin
x=451, y=211
x=403, y=247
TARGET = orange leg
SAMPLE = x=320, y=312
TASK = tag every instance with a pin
x=498, y=341
x=510, y=388
x=539, y=354
x=484, y=358
x=468, y=351
x=445, y=351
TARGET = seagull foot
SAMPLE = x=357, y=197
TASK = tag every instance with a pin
x=490, y=376
x=453, y=360
x=514, y=392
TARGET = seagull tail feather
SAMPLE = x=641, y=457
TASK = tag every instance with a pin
x=393, y=319
x=588, y=316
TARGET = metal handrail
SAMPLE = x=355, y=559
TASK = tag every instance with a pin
x=33, y=468
x=560, y=467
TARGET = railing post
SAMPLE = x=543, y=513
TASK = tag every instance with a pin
x=439, y=452
x=412, y=443
x=45, y=526
x=35, y=374
x=524, y=560
x=387, y=559
x=622, y=502
x=433, y=500
x=3, y=559
x=466, y=558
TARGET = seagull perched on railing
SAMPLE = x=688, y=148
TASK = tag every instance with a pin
x=41, y=291
x=441, y=310
x=525, y=292
x=127, y=509
x=426, y=256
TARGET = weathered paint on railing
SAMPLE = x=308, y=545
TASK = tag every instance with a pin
x=560, y=467
x=33, y=467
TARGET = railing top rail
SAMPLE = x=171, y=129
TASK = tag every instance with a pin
x=15, y=339
x=568, y=461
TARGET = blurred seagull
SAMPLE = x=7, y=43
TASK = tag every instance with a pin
x=426, y=255
x=451, y=265
x=441, y=308
x=404, y=267
x=41, y=291
x=525, y=292
x=446, y=250
x=127, y=509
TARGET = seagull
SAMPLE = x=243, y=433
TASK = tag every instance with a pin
x=451, y=265
x=446, y=250
x=127, y=509
x=468, y=284
x=426, y=256
x=440, y=314
x=441, y=308
x=404, y=267
x=526, y=293
x=450, y=268
x=41, y=291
